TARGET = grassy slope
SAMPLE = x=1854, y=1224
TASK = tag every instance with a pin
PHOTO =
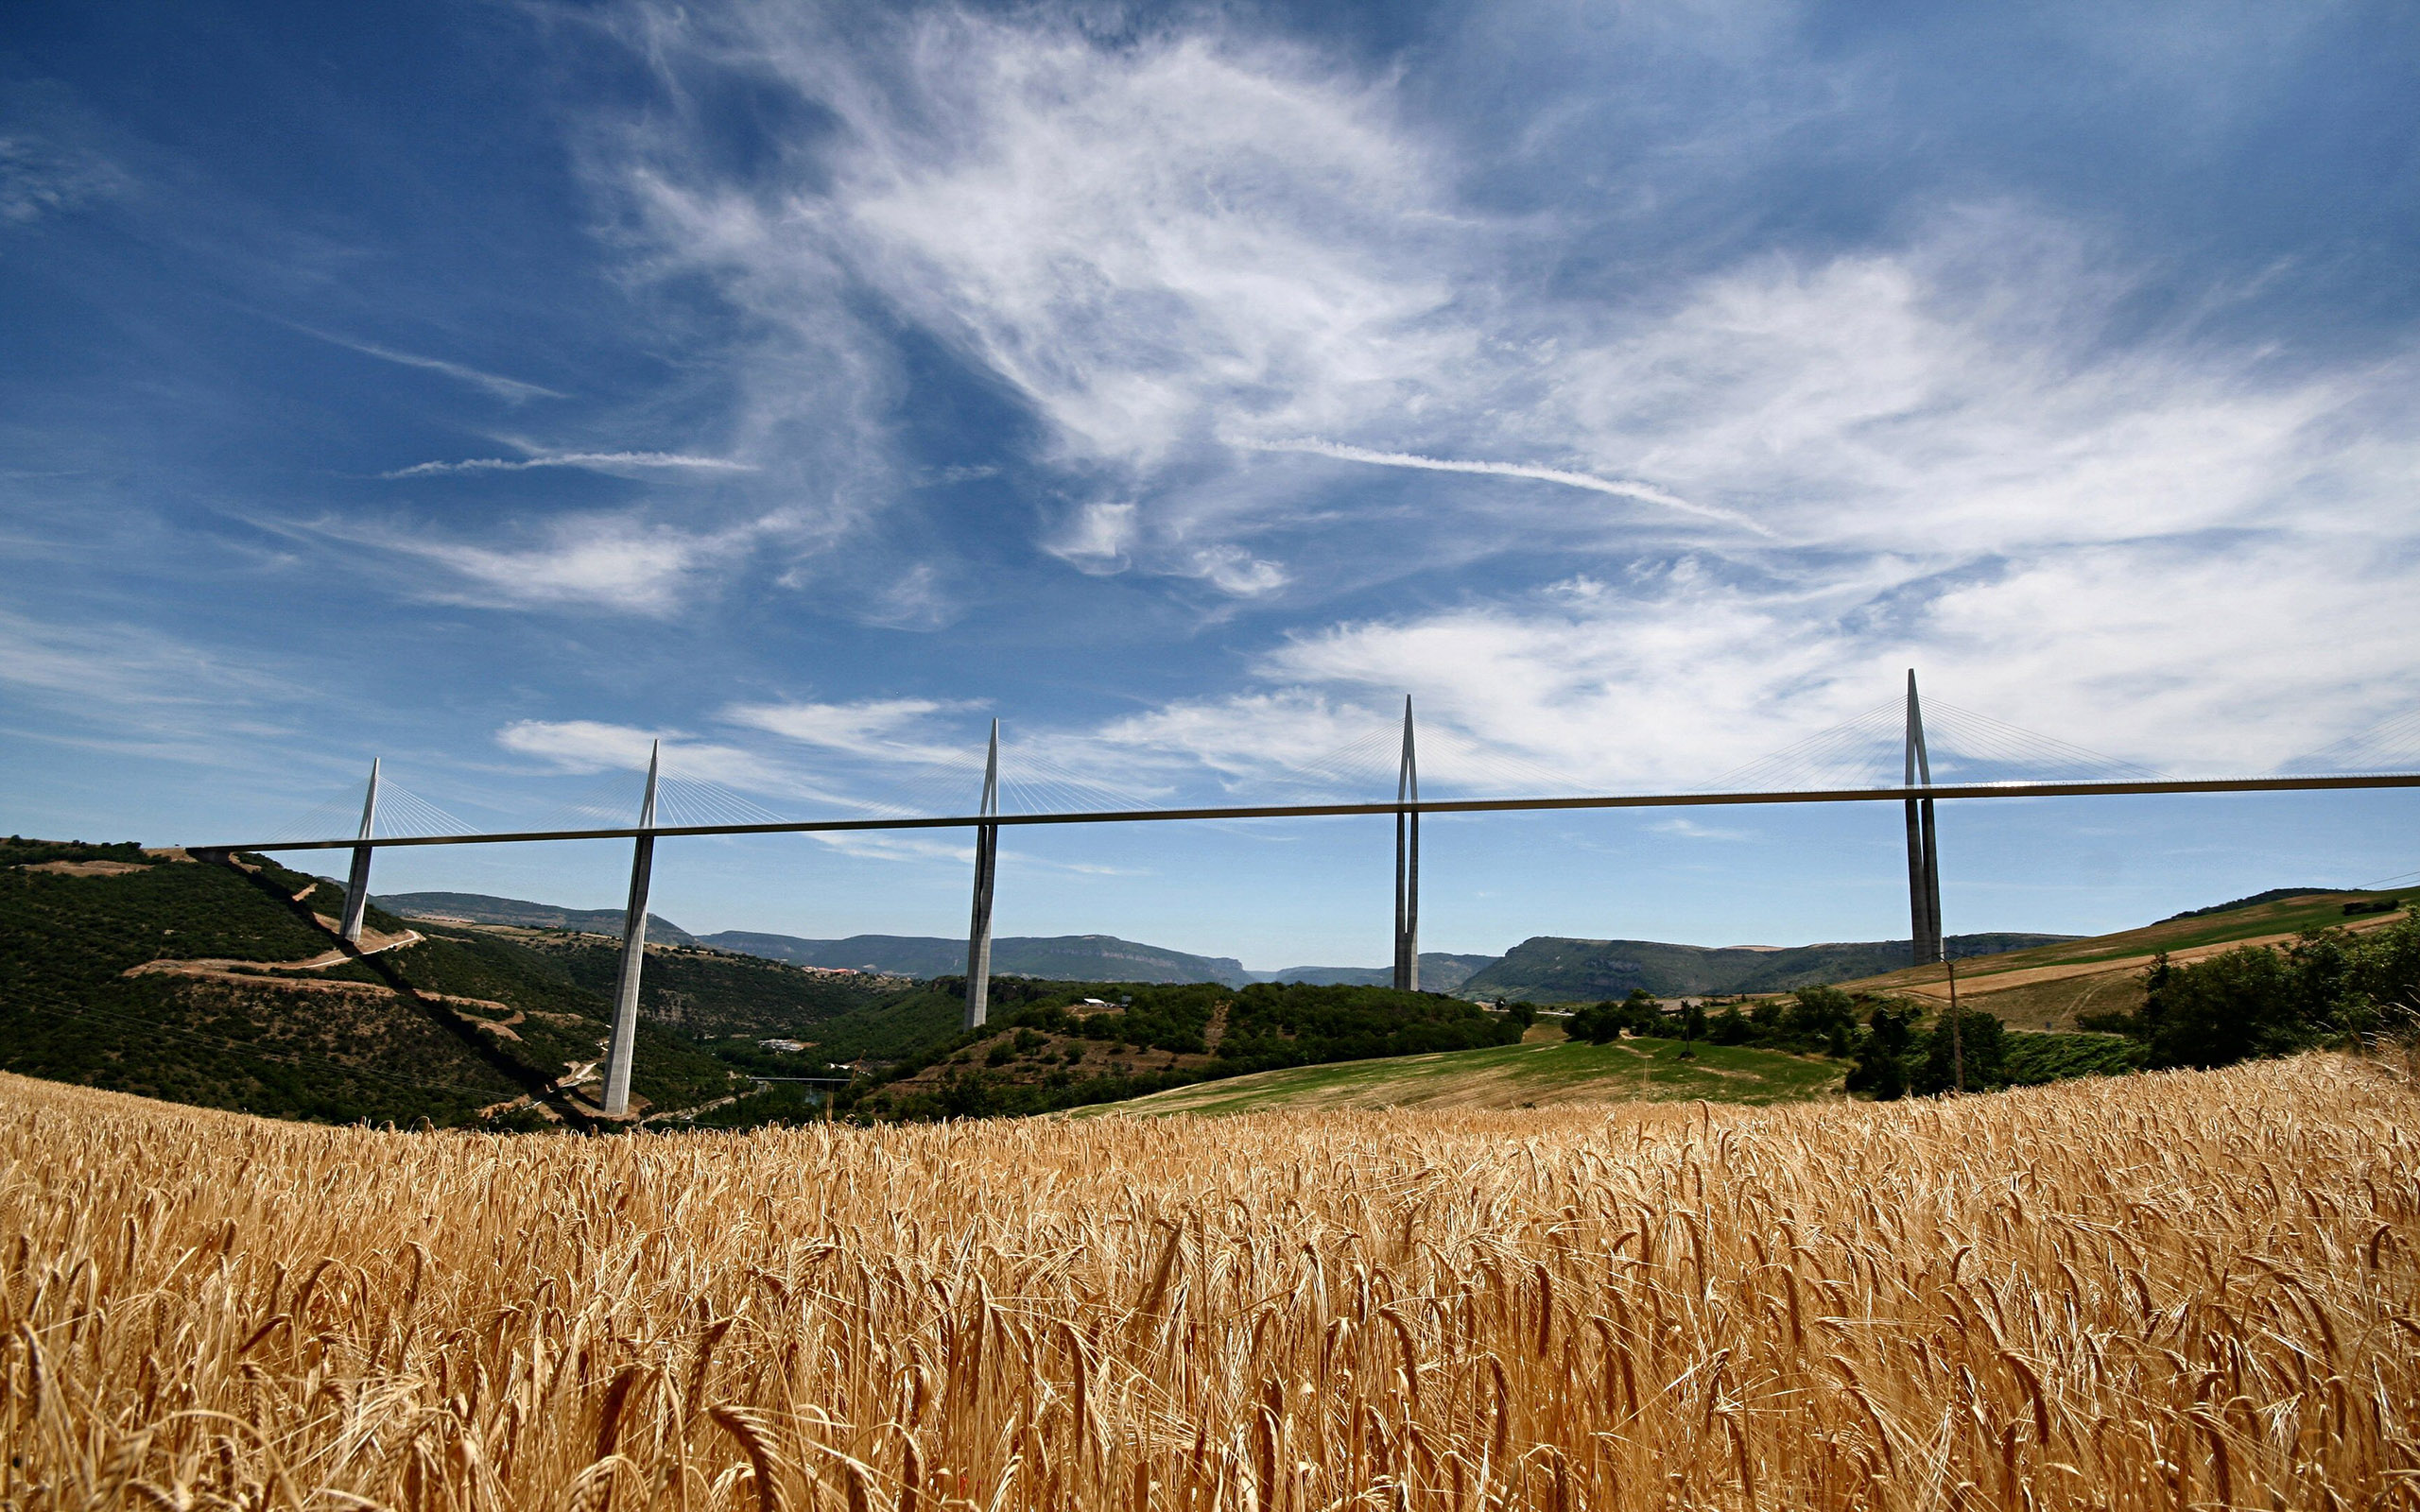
x=383, y=1037
x=1517, y=1075
x=2047, y=986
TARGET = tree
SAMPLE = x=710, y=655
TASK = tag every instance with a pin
x=1980, y=1040
x=1881, y=1066
x=1816, y=1012
x=2242, y=1004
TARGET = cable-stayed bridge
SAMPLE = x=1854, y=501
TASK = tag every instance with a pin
x=1851, y=763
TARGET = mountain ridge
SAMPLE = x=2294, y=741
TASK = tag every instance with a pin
x=1555, y=968
x=1543, y=968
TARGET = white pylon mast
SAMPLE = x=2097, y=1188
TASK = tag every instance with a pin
x=356, y=888
x=1924, y=856
x=987, y=856
x=1406, y=973
x=624, y=1046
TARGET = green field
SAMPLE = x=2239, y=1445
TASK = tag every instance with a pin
x=1515, y=1076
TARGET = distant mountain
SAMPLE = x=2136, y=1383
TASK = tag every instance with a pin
x=1549, y=970
x=478, y=908
x=1059, y=957
x=1439, y=972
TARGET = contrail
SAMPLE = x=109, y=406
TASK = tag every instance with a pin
x=1646, y=493
x=511, y=390
x=500, y=464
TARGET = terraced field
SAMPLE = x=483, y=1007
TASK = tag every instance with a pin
x=1521, y=1075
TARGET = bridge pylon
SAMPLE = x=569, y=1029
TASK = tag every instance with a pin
x=357, y=886
x=1407, y=974
x=624, y=1046
x=987, y=856
x=1923, y=852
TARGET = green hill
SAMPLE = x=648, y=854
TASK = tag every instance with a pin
x=1552, y=970
x=478, y=908
x=220, y=982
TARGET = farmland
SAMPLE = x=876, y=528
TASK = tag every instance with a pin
x=1548, y=1069
x=2179, y=1290
x=2048, y=986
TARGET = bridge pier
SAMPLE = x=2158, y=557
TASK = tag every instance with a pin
x=1406, y=973
x=1923, y=853
x=979, y=929
x=357, y=886
x=624, y=1046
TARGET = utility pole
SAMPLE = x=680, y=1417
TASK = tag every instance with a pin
x=1957, y=1032
x=1924, y=858
x=1408, y=863
x=626, y=990
x=987, y=856
x=356, y=888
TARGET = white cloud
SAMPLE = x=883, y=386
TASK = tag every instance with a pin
x=887, y=729
x=599, y=462
x=612, y=562
x=1232, y=569
x=1099, y=539
x=1210, y=266
x=1692, y=830
x=1200, y=240
x=583, y=745
x=41, y=176
x=2176, y=656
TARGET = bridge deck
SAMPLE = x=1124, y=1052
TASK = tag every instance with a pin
x=1488, y=805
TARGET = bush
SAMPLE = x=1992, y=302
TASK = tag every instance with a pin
x=2328, y=987
x=1882, y=1054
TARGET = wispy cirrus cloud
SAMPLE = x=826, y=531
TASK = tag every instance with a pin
x=598, y=461
x=1214, y=245
x=882, y=730
x=614, y=562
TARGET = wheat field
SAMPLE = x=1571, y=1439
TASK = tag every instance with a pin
x=2169, y=1292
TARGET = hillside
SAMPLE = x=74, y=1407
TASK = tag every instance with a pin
x=1439, y=972
x=1529, y=1075
x=1803, y=1305
x=1552, y=970
x=1058, y=957
x=220, y=982
x=1051, y=1045
x=2047, y=985
x=478, y=908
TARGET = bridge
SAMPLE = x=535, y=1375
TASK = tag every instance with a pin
x=1916, y=792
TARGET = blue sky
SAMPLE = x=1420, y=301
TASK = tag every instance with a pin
x=1641, y=389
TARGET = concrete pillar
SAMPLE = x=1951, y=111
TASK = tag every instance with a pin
x=357, y=886
x=979, y=929
x=626, y=990
x=1406, y=973
x=1924, y=855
